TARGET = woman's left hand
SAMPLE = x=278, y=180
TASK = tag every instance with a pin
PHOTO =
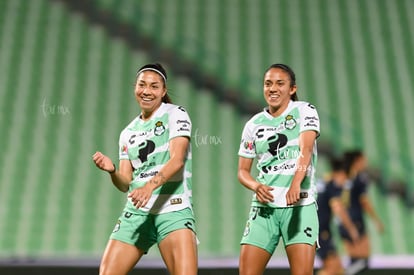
x=140, y=196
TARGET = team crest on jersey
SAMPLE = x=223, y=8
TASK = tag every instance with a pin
x=290, y=122
x=159, y=128
x=117, y=226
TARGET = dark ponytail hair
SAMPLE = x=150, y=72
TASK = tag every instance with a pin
x=291, y=74
x=158, y=68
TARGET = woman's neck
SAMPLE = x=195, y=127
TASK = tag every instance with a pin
x=277, y=111
x=146, y=115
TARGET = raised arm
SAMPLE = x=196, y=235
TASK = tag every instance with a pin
x=120, y=178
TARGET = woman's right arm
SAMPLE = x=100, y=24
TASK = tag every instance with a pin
x=120, y=178
x=262, y=191
x=369, y=209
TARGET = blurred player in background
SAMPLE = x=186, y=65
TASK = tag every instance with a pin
x=356, y=200
x=155, y=170
x=283, y=139
x=330, y=206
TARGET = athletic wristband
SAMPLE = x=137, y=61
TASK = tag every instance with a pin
x=111, y=172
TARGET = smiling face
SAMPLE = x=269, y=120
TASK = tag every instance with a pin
x=277, y=90
x=149, y=91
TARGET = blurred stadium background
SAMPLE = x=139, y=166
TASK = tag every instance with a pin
x=66, y=80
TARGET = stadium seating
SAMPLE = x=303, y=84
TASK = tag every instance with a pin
x=348, y=56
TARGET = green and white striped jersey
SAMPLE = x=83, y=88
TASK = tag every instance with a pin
x=274, y=141
x=146, y=145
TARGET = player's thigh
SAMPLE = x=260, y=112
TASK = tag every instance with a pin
x=177, y=241
x=301, y=258
x=119, y=258
x=179, y=252
x=300, y=225
x=253, y=260
x=135, y=229
x=262, y=229
x=300, y=230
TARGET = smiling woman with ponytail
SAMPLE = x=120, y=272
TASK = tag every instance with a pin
x=155, y=171
x=283, y=140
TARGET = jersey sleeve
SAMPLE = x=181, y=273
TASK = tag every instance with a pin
x=335, y=191
x=179, y=123
x=247, y=145
x=361, y=184
x=309, y=119
x=123, y=146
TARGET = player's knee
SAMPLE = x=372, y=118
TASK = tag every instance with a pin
x=109, y=269
x=301, y=270
x=246, y=268
x=105, y=270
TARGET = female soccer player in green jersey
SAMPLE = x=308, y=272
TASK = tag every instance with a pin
x=283, y=140
x=155, y=170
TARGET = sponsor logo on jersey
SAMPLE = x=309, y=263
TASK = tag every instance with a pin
x=176, y=201
x=311, y=118
x=310, y=125
x=144, y=149
x=275, y=168
x=189, y=225
x=132, y=139
x=159, y=128
x=290, y=122
x=148, y=174
x=183, y=121
x=184, y=125
x=276, y=143
x=311, y=121
x=308, y=232
x=259, y=133
x=183, y=129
